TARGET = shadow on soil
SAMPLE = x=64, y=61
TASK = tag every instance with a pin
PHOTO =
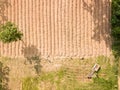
x=4, y=73
x=100, y=12
x=32, y=55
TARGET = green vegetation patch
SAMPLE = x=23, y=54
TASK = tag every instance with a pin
x=9, y=33
x=67, y=79
x=30, y=83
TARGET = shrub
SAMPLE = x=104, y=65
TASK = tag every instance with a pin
x=9, y=33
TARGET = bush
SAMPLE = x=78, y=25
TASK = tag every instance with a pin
x=9, y=33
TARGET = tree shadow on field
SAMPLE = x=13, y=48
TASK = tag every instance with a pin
x=4, y=4
x=32, y=55
x=4, y=72
x=100, y=12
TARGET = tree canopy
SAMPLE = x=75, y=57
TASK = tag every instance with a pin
x=9, y=33
x=116, y=19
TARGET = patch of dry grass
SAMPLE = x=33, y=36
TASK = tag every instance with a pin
x=73, y=76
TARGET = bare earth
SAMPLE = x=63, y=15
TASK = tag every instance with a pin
x=59, y=28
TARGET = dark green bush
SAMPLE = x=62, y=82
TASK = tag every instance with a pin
x=116, y=19
x=9, y=33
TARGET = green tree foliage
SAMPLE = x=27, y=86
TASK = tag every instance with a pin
x=9, y=33
x=116, y=19
x=116, y=34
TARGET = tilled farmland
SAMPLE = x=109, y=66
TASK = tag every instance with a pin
x=59, y=28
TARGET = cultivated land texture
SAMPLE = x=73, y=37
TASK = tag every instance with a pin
x=59, y=28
